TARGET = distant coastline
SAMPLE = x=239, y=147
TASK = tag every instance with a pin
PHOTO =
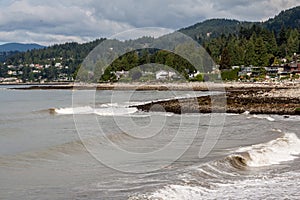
x=197, y=86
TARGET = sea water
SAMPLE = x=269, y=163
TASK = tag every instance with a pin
x=44, y=153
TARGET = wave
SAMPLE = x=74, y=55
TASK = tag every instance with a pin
x=72, y=110
x=263, y=117
x=105, y=110
x=60, y=151
x=111, y=111
x=227, y=173
x=258, y=187
x=247, y=113
x=282, y=149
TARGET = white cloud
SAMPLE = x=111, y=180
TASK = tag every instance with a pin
x=55, y=21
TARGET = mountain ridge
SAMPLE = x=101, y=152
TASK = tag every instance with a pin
x=20, y=47
x=212, y=28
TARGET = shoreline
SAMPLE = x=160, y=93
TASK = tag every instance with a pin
x=196, y=86
x=255, y=98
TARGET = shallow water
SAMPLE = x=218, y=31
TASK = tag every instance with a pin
x=47, y=155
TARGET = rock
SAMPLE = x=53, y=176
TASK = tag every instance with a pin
x=237, y=101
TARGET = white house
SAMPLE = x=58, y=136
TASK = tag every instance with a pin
x=162, y=75
x=122, y=73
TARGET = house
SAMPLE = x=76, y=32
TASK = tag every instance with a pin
x=147, y=73
x=235, y=67
x=162, y=75
x=295, y=68
x=272, y=71
x=11, y=73
x=284, y=74
x=120, y=74
x=58, y=65
x=255, y=71
x=11, y=67
x=11, y=80
x=36, y=71
x=245, y=71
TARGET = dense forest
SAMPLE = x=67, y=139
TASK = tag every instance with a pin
x=255, y=46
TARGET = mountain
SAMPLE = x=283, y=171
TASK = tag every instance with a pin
x=216, y=27
x=288, y=19
x=19, y=47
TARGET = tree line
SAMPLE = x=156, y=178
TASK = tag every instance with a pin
x=255, y=46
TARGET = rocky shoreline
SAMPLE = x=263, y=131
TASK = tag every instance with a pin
x=255, y=98
x=237, y=100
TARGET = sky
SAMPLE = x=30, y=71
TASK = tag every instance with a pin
x=57, y=21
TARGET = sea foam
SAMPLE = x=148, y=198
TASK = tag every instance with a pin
x=106, y=110
x=285, y=148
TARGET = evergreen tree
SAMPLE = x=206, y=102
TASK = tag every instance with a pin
x=249, y=53
x=271, y=43
x=225, y=59
x=282, y=37
x=261, y=54
x=293, y=42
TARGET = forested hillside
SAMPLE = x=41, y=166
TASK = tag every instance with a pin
x=256, y=46
x=229, y=42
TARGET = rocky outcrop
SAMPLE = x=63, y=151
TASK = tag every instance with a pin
x=237, y=101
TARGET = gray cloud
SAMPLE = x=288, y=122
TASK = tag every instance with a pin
x=56, y=21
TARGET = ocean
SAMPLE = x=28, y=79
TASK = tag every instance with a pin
x=63, y=144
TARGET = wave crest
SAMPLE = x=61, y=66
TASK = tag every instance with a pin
x=282, y=149
x=102, y=111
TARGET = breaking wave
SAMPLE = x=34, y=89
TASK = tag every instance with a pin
x=285, y=148
x=226, y=175
x=271, y=119
x=104, y=110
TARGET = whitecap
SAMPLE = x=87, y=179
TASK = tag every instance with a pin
x=285, y=148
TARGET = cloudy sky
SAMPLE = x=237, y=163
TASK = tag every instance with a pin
x=57, y=21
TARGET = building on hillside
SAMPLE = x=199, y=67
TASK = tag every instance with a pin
x=255, y=71
x=245, y=71
x=11, y=80
x=120, y=74
x=295, y=68
x=284, y=74
x=272, y=71
x=162, y=75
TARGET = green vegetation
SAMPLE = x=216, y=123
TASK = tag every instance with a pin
x=255, y=46
x=69, y=55
x=229, y=42
x=230, y=75
x=215, y=28
x=198, y=77
x=163, y=61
